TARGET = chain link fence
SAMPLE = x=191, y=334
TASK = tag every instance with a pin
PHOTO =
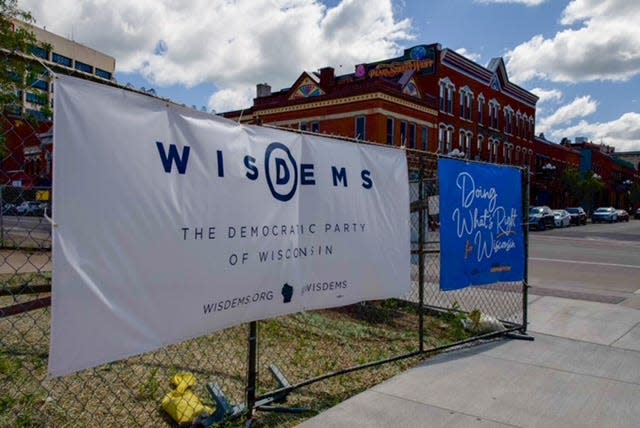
x=284, y=369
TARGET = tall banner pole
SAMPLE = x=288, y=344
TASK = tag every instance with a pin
x=423, y=206
x=252, y=368
x=525, y=225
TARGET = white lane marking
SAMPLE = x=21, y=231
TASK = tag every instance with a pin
x=584, y=263
x=586, y=238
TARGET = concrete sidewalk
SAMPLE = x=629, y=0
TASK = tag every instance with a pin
x=582, y=370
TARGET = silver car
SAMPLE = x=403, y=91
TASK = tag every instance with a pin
x=561, y=218
x=604, y=214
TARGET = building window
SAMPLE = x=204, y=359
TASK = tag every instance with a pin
x=507, y=151
x=315, y=126
x=494, y=111
x=466, y=103
x=531, y=128
x=361, y=128
x=425, y=138
x=403, y=133
x=481, y=111
x=36, y=114
x=84, y=67
x=508, y=119
x=465, y=142
x=36, y=98
x=102, y=73
x=445, y=138
x=61, y=59
x=446, y=95
x=40, y=52
x=412, y=135
x=390, y=131
x=303, y=126
x=40, y=84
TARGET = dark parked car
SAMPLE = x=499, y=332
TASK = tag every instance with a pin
x=8, y=209
x=541, y=218
x=578, y=215
x=623, y=215
x=637, y=214
x=604, y=214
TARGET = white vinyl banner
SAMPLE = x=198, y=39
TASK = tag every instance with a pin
x=170, y=224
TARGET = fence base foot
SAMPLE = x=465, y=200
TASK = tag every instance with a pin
x=224, y=409
x=520, y=336
x=263, y=405
x=274, y=409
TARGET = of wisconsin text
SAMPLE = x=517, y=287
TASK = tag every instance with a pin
x=274, y=231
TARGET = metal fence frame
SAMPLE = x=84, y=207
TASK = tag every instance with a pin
x=25, y=310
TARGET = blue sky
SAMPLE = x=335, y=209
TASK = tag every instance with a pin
x=582, y=57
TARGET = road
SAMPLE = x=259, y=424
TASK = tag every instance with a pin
x=599, y=262
x=22, y=231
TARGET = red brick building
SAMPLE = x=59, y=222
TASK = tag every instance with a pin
x=429, y=98
x=437, y=100
x=27, y=153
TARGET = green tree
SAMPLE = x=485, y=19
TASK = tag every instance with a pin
x=634, y=194
x=580, y=190
x=591, y=186
x=570, y=182
x=15, y=41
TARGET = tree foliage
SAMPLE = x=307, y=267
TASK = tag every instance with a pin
x=15, y=40
x=580, y=189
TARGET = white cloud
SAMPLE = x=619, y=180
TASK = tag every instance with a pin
x=472, y=56
x=231, y=99
x=547, y=95
x=231, y=44
x=605, y=45
x=524, y=2
x=579, y=107
x=622, y=133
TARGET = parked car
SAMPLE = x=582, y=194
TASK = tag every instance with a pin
x=604, y=214
x=8, y=208
x=29, y=208
x=637, y=214
x=623, y=215
x=561, y=218
x=578, y=215
x=541, y=218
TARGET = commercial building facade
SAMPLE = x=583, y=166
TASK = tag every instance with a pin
x=29, y=158
x=435, y=100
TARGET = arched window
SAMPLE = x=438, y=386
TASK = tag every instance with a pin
x=447, y=89
x=466, y=102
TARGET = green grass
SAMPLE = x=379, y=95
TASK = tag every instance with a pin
x=302, y=346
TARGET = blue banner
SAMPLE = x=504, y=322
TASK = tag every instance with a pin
x=481, y=224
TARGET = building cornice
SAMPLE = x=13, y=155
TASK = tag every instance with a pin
x=346, y=100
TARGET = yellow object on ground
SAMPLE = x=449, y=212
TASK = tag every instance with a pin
x=181, y=403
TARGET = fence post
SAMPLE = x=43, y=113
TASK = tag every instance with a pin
x=525, y=215
x=2, y=216
x=421, y=240
x=252, y=368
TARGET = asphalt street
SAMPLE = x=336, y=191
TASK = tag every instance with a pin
x=598, y=262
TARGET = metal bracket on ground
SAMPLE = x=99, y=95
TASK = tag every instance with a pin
x=224, y=409
x=264, y=404
x=519, y=336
